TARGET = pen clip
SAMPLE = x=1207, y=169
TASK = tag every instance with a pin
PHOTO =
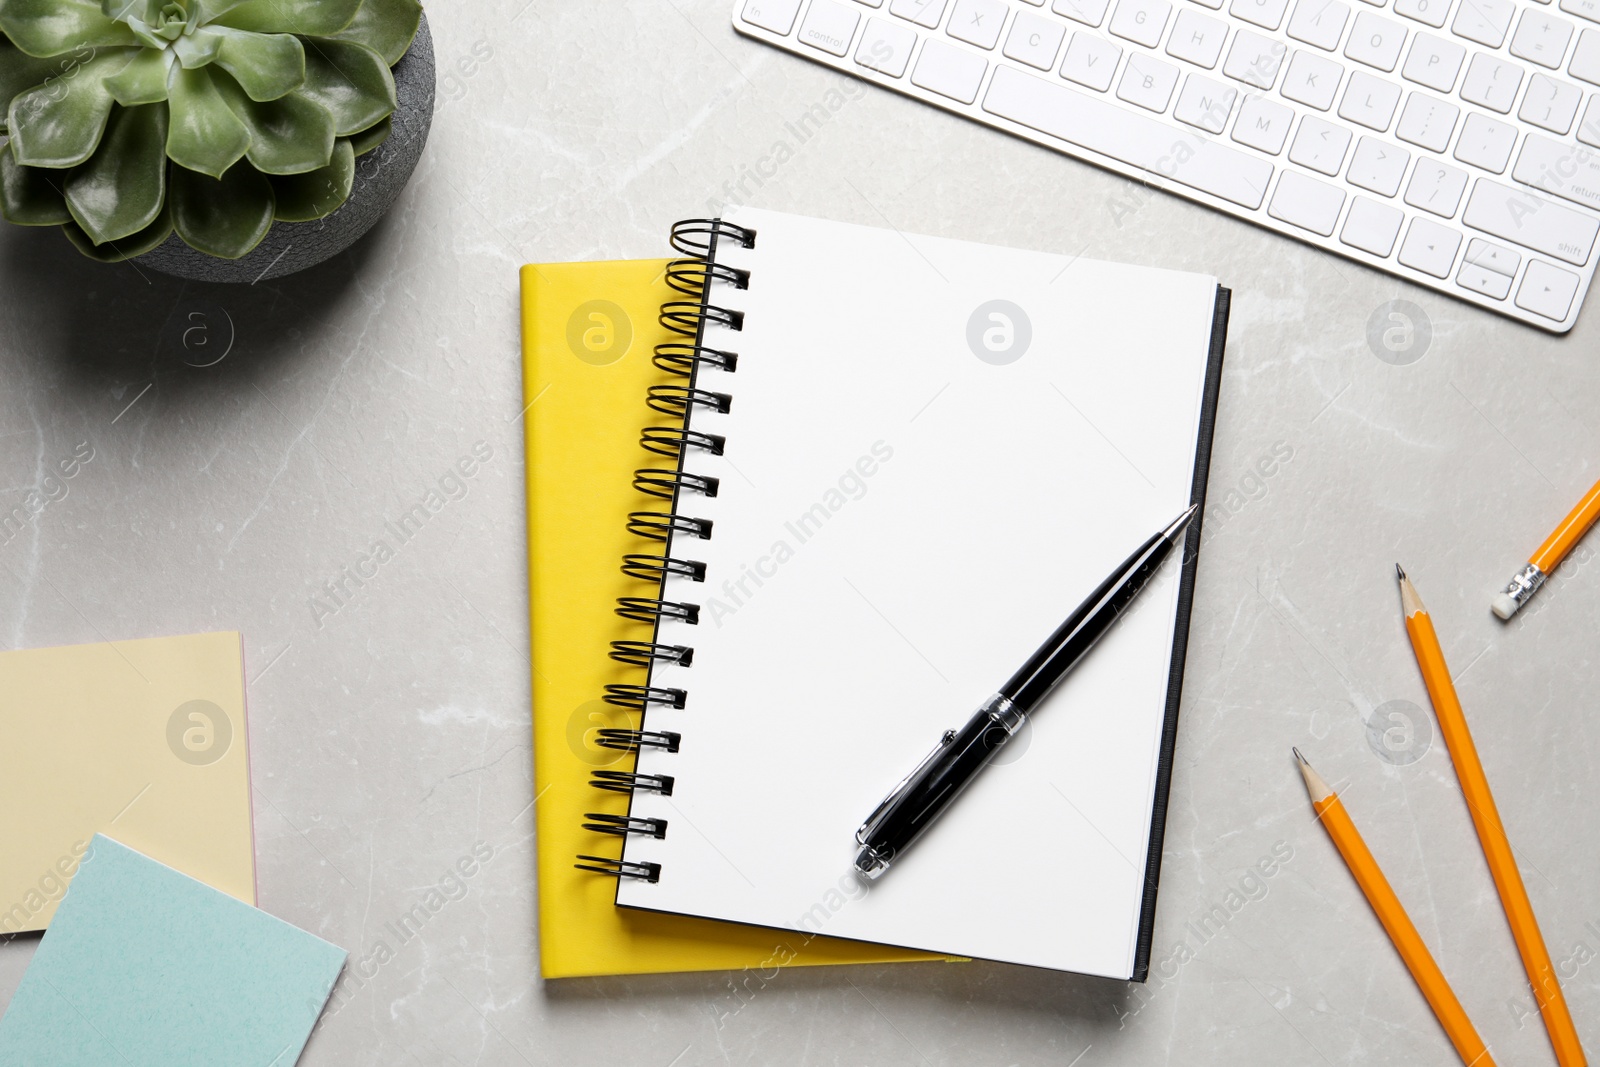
x=870, y=827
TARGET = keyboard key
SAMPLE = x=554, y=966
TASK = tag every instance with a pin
x=1479, y=280
x=886, y=47
x=1427, y=122
x=1430, y=248
x=1091, y=60
x=1312, y=80
x=1434, y=62
x=1268, y=14
x=1205, y=103
x=1371, y=226
x=1518, y=216
x=1588, y=9
x=922, y=12
x=1585, y=63
x=871, y=3
x=1486, y=142
x=1369, y=101
x=1436, y=187
x=1100, y=126
x=1263, y=124
x=1306, y=202
x=1491, y=82
x=1215, y=5
x=1378, y=167
x=949, y=71
x=1481, y=253
x=1563, y=170
x=1319, y=145
x=1547, y=290
x=1541, y=39
x=1034, y=40
x=1148, y=82
x=1589, y=128
x=1140, y=21
x=829, y=25
x=1197, y=38
x=1088, y=12
x=1429, y=12
x=1549, y=104
x=1319, y=23
x=1376, y=41
x=1254, y=59
x=978, y=21
x=1484, y=21
x=775, y=15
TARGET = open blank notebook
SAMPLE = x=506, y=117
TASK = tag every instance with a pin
x=933, y=450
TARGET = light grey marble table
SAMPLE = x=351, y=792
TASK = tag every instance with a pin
x=391, y=738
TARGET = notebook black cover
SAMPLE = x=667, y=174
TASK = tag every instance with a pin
x=1180, y=636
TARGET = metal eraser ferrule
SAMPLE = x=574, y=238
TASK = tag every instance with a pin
x=1524, y=584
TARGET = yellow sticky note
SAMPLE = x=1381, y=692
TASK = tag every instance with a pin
x=144, y=740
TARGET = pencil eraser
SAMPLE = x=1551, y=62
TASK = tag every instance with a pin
x=1504, y=606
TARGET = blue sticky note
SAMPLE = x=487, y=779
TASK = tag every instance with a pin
x=145, y=967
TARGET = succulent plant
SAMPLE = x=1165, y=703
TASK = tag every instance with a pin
x=129, y=119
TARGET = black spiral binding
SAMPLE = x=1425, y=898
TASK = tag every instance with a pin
x=628, y=781
x=644, y=653
x=696, y=240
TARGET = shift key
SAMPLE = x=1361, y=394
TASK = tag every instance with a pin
x=1521, y=216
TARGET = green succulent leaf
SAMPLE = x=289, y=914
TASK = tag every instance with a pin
x=121, y=189
x=205, y=135
x=31, y=196
x=199, y=48
x=20, y=71
x=146, y=11
x=210, y=10
x=144, y=80
x=224, y=217
x=351, y=81
x=372, y=136
x=385, y=26
x=308, y=197
x=290, y=135
x=58, y=124
x=52, y=27
x=266, y=65
x=137, y=244
x=314, y=18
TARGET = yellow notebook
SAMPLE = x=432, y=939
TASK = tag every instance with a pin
x=142, y=740
x=588, y=333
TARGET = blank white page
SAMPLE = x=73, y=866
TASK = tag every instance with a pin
x=900, y=523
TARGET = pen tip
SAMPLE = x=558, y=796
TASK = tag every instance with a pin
x=1176, y=525
x=1399, y=572
x=1298, y=757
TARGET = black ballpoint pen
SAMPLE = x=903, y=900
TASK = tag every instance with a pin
x=924, y=794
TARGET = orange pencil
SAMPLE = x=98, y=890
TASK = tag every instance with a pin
x=1369, y=876
x=1491, y=832
x=1550, y=554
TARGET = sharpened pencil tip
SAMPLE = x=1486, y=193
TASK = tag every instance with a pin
x=1399, y=572
x=1316, y=786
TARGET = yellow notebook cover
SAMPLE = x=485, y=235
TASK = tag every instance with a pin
x=143, y=740
x=588, y=333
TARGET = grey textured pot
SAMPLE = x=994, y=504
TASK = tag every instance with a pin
x=380, y=176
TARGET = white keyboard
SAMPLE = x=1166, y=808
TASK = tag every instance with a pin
x=1453, y=143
